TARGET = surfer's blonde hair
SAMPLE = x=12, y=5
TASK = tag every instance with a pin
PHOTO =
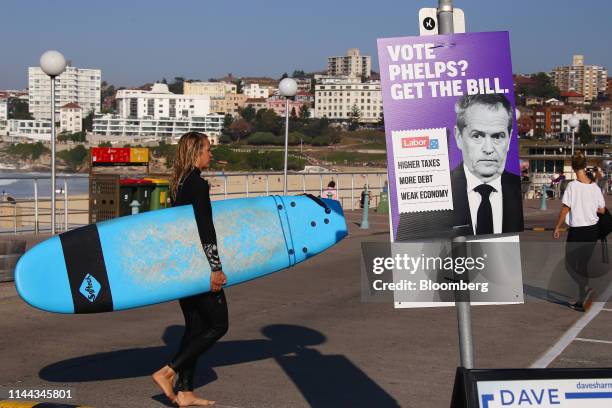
x=187, y=151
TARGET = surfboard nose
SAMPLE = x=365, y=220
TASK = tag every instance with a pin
x=336, y=208
x=41, y=278
x=315, y=224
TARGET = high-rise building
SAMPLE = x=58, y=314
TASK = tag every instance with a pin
x=588, y=80
x=3, y=117
x=3, y=109
x=159, y=102
x=338, y=97
x=212, y=89
x=352, y=64
x=74, y=85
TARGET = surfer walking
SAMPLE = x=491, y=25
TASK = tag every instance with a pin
x=205, y=314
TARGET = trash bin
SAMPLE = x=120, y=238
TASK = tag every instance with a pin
x=159, y=195
x=383, y=205
x=134, y=189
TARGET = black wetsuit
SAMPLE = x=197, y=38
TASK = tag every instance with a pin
x=205, y=314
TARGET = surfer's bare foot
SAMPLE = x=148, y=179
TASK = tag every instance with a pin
x=188, y=398
x=164, y=378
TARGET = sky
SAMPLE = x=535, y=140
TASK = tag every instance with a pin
x=138, y=41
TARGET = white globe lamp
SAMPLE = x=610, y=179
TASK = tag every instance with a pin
x=287, y=87
x=573, y=123
x=52, y=63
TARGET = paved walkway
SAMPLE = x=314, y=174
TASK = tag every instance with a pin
x=298, y=338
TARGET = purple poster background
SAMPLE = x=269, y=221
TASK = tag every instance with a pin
x=488, y=56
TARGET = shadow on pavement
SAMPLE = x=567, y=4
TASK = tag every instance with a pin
x=323, y=380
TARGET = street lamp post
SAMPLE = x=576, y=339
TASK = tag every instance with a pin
x=53, y=64
x=287, y=88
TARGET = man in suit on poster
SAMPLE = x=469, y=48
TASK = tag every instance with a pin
x=485, y=196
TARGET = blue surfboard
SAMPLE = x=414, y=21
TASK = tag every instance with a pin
x=157, y=256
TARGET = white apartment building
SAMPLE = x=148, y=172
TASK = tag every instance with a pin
x=352, y=64
x=78, y=85
x=304, y=84
x=3, y=109
x=160, y=103
x=212, y=89
x=255, y=91
x=29, y=130
x=588, y=80
x=3, y=117
x=335, y=98
x=155, y=129
x=601, y=122
x=71, y=118
x=565, y=117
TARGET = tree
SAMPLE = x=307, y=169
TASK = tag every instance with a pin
x=25, y=150
x=261, y=138
x=78, y=137
x=238, y=86
x=298, y=73
x=18, y=109
x=584, y=132
x=73, y=157
x=304, y=112
x=293, y=113
x=248, y=113
x=538, y=133
x=107, y=92
x=285, y=75
x=542, y=86
x=88, y=122
x=228, y=119
x=239, y=129
x=354, y=117
x=177, y=86
x=266, y=120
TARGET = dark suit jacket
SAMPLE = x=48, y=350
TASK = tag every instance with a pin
x=511, y=198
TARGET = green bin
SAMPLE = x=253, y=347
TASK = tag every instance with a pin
x=134, y=189
x=383, y=204
x=159, y=195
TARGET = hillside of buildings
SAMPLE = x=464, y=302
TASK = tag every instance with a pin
x=335, y=117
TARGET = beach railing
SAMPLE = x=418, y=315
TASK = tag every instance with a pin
x=32, y=214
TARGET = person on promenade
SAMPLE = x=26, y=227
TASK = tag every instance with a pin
x=330, y=191
x=555, y=185
x=581, y=202
x=206, y=317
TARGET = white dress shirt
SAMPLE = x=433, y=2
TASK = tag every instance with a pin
x=474, y=199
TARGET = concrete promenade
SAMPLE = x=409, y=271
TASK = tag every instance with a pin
x=298, y=338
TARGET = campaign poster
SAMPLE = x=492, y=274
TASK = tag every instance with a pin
x=452, y=145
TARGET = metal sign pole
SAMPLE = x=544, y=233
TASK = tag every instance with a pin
x=445, y=17
x=52, y=155
x=462, y=301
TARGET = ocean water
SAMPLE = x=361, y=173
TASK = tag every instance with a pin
x=24, y=188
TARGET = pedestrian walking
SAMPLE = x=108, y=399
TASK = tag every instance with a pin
x=581, y=203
